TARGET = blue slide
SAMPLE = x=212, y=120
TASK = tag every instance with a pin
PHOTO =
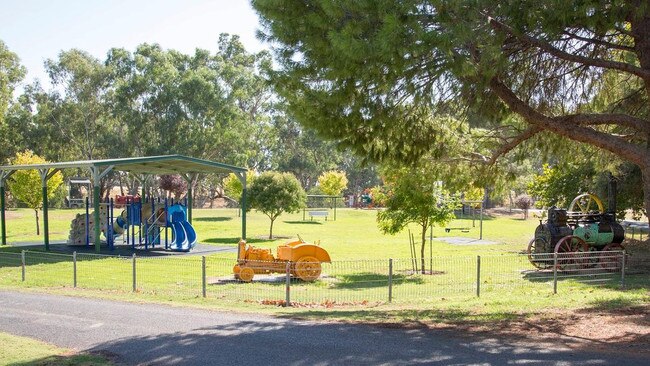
x=182, y=230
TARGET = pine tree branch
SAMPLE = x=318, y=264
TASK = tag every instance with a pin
x=590, y=61
x=632, y=152
x=593, y=119
x=600, y=42
x=514, y=142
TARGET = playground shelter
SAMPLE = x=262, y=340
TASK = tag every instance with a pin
x=141, y=167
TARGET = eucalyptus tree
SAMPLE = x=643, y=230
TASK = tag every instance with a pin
x=213, y=106
x=300, y=151
x=368, y=72
x=11, y=74
x=75, y=112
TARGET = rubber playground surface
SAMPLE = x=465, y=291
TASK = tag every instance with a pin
x=121, y=249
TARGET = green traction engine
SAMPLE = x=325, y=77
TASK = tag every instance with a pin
x=584, y=227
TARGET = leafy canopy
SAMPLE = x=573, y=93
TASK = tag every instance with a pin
x=26, y=185
x=558, y=185
x=383, y=76
x=173, y=183
x=333, y=182
x=273, y=193
x=233, y=186
x=414, y=198
x=11, y=73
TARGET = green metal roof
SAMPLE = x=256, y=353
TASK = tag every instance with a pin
x=164, y=164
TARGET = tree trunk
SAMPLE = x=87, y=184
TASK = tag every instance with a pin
x=121, y=185
x=424, y=242
x=271, y=229
x=645, y=173
x=38, y=227
x=510, y=198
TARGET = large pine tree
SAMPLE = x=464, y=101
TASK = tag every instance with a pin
x=373, y=73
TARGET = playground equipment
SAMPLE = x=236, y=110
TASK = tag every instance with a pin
x=140, y=224
x=304, y=260
x=584, y=227
x=184, y=236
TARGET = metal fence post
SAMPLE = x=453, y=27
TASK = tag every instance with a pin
x=390, y=280
x=478, y=276
x=134, y=274
x=22, y=260
x=74, y=269
x=203, y=277
x=554, y=273
x=623, y=270
x=288, y=285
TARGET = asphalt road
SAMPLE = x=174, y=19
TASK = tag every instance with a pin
x=152, y=334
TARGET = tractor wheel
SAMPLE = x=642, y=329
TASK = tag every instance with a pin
x=246, y=274
x=307, y=268
x=611, y=261
x=236, y=270
x=537, y=258
x=572, y=253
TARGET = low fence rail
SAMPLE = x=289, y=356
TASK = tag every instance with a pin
x=340, y=283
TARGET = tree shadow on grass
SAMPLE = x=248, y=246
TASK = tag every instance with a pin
x=409, y=318
x=212, y=219
x=372, y=280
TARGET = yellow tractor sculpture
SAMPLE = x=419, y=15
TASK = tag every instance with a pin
x=305, y=260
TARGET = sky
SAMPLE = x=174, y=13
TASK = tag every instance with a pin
x=37, y=30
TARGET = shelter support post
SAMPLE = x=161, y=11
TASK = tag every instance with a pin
x=242, y=179
x=3, y=222
x=189, y=203
x=480, y=237
x=188, y=178
x=45, y=175
x=2, y=213
x=97, y=175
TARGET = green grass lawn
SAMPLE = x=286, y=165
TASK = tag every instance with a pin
x=18, y=351
x=358, y=275
x=354, y=235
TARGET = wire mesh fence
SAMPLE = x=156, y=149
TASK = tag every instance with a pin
x=103, y=272
x=637, y=232
x=362, y=282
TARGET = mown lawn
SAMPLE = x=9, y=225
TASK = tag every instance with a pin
x=354, y=235
x=358, y=275
x=18, y=351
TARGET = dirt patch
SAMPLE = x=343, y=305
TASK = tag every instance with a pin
x=619, y=331
x=625, y=330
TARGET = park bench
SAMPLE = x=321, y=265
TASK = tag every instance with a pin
x=462, y=229
x=318, y=214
